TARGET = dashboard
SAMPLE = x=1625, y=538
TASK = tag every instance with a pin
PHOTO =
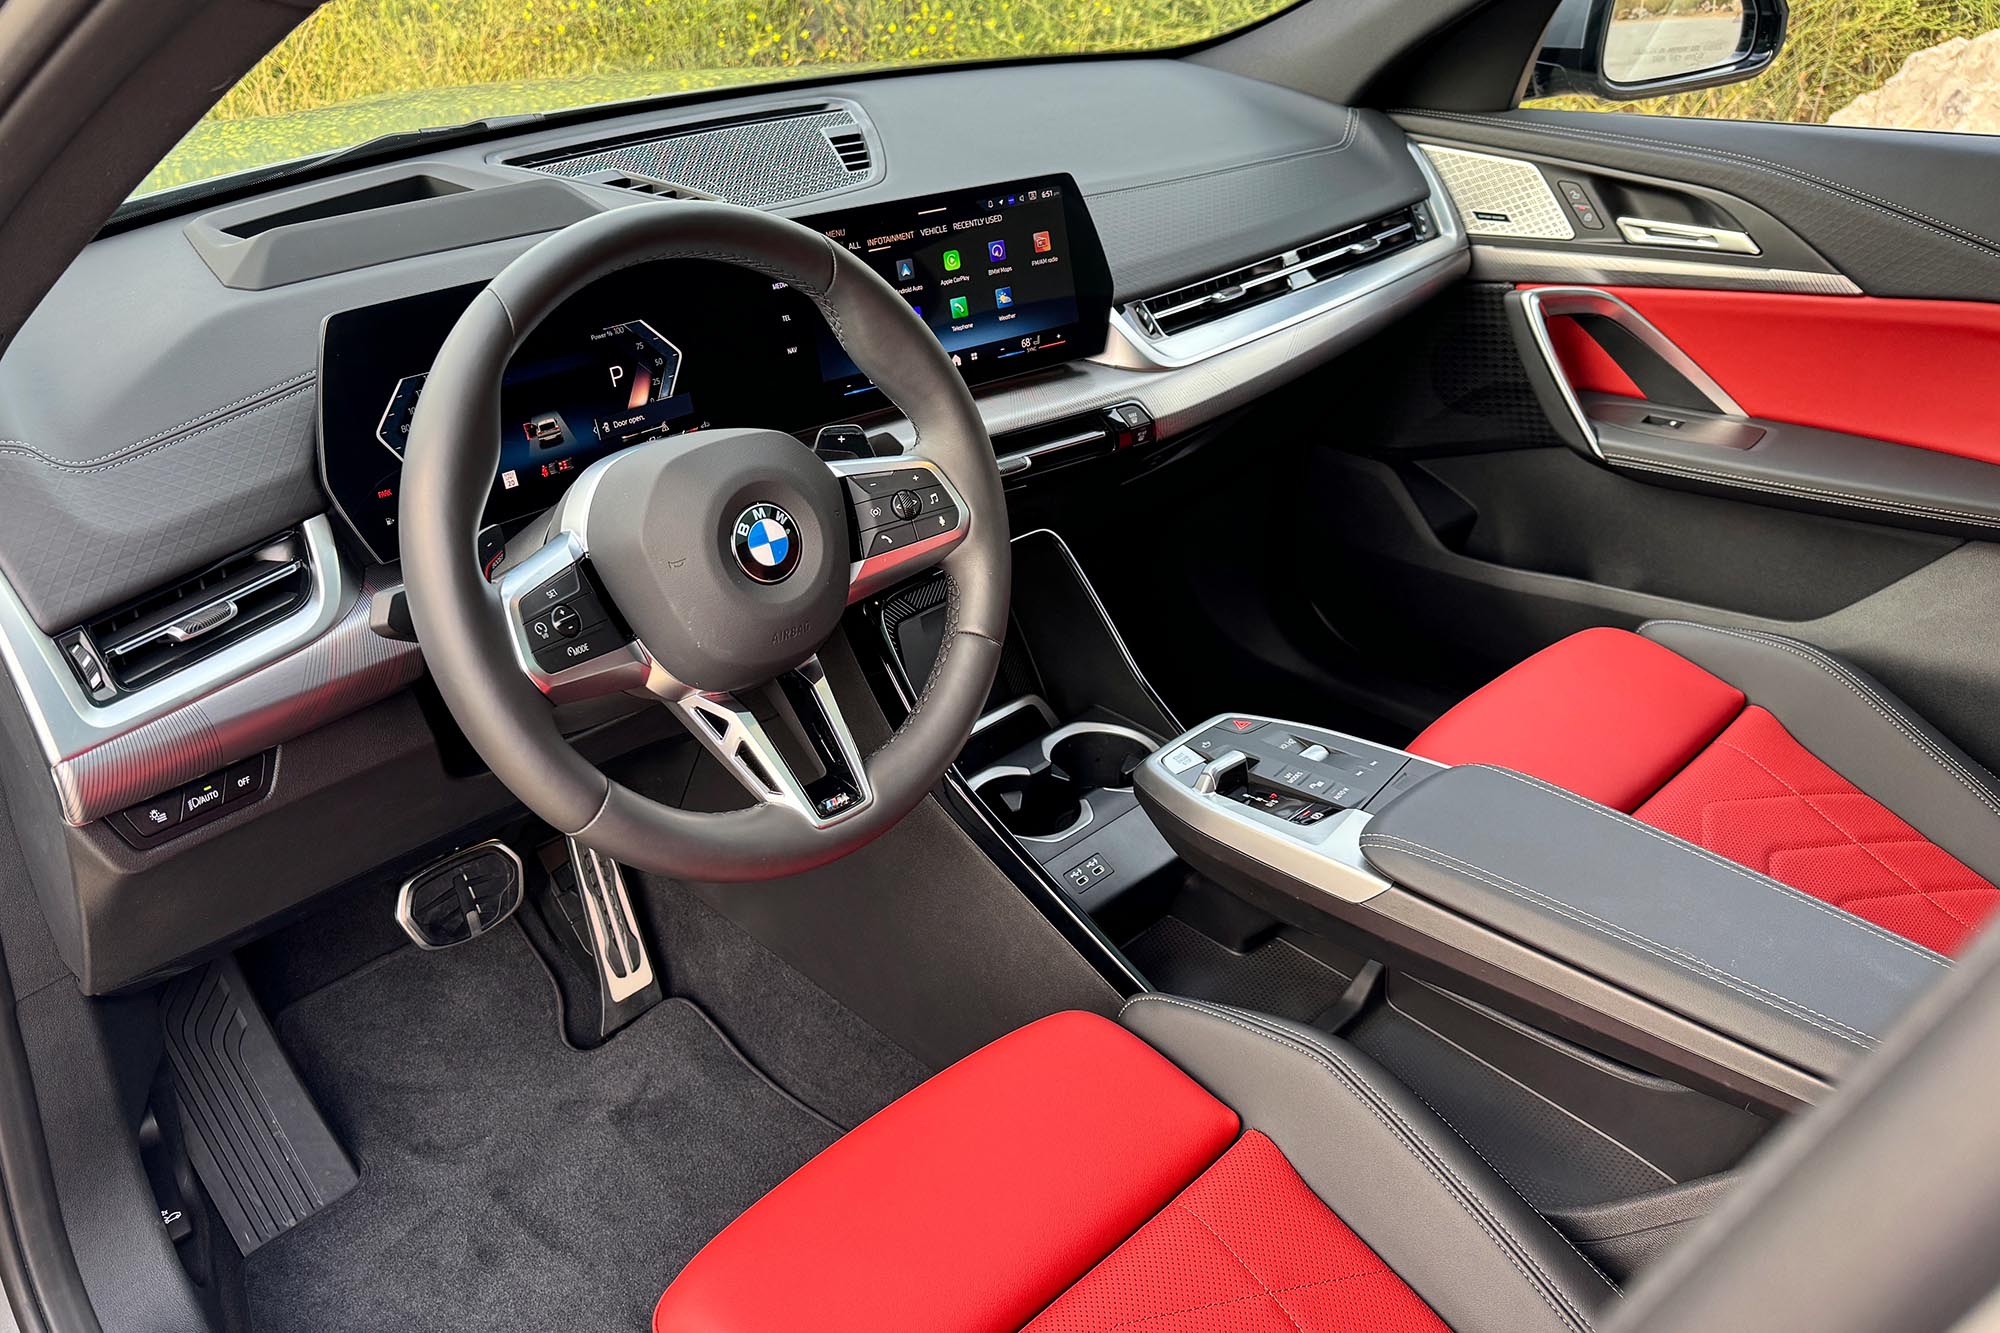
x=1010, y=277
x=269, y=350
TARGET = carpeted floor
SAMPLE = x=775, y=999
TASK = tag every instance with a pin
x=507, y=1181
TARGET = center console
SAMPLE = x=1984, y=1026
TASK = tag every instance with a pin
x=1504, y=888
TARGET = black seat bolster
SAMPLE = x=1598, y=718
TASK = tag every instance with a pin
x=1860, y=729
x=1406, y=1183
x=1734, y=950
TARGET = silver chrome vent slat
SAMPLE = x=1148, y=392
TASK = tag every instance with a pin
x=1188, y=307
x=196, y=623
x=780, y=157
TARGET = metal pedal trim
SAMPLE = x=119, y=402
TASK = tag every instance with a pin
x=619, y=949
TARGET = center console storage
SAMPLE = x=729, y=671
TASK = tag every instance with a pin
x=1504, y=888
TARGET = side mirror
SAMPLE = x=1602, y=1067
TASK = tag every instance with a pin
x=1626, y=50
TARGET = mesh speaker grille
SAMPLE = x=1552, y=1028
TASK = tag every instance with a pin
x=759, y=163
x=1500, y=196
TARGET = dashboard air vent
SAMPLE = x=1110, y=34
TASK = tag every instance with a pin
x=149, y=639
x=852, y=145
x=1198, y=303
x=779, y=156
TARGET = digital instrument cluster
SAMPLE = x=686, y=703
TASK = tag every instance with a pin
x=1009, y=278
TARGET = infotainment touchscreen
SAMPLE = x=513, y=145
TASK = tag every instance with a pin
x=1010, y=279
x=998, y=276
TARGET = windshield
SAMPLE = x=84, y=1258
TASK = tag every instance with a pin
x=357, y=69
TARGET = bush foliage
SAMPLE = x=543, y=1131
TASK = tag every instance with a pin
x=358, y=68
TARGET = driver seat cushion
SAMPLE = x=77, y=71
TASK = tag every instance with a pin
x=1761, y=749
x=1194, y=1170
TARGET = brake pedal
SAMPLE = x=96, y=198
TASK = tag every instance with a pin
x=461, y=897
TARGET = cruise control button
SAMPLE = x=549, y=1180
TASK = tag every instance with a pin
x=874, y=485
x=151, y=819
x=564, y=620
x=884, y=540
x=563, y=587
x=242, y=781
x=566, y=653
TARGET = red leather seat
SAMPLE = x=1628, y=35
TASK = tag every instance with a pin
x=1195, y=1169
x=1762, y=749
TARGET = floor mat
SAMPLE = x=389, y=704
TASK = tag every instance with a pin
x=507, y=1181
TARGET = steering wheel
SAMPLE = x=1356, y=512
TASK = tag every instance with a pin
x=706, y=569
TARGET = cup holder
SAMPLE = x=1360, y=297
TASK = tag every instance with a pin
x=1043, y=804
x=1051, y=800
x=1100, y=759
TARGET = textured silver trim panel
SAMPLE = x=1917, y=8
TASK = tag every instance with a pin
x=1513, y=195
x=1518, y=263
x=1325, y=856
x=67, y=723
x=345, y=669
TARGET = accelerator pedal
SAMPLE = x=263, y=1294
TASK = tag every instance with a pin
x=259, y=1144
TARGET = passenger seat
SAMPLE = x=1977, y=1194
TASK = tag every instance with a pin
x=1762, y=749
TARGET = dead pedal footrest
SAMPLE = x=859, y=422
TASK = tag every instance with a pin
x=259, y=1144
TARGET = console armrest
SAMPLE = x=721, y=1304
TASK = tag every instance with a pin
x=1709, y=939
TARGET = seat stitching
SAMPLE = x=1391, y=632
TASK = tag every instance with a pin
x=1230, y=1250
x=1891, y=714
x=1491, y=1166
x=1723, y=863
x=1271, y=1293
x=1496, y=1231
x=1972, y=240
x=1506, y=1183
x=1848, y=834
x=1687, y=962
x=1907, y=508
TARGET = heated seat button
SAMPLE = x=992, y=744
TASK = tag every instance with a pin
x=240, y=782
x=152, y=819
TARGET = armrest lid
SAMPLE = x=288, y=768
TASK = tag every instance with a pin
x=1719, y=943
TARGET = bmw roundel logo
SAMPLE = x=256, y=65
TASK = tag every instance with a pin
x=767, y=543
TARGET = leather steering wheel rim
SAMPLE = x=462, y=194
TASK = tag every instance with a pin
x=453, y=453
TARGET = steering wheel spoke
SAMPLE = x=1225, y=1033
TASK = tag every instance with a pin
x=568, y=636
x=786, y=742
x=907, y=517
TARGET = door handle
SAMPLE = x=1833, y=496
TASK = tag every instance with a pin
x=1687, y=236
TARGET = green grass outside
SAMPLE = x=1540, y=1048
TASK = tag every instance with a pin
x=1834, y=51
x=357, y=68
